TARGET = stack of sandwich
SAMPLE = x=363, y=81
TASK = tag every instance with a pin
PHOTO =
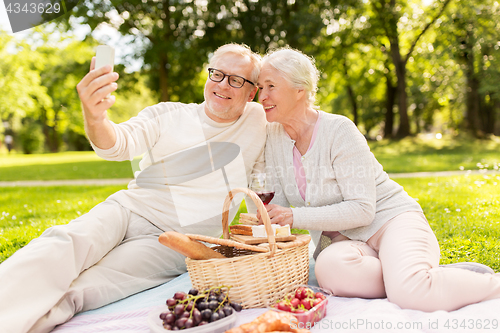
x=249, y=226
x=249, y=219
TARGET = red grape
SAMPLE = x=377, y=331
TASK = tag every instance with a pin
x=169, y=318
x=171, y=302
x=180, y=295
x=180, y=322
x=189, y=323
x=179, y=309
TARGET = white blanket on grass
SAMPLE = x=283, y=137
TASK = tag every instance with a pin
x=343, y=315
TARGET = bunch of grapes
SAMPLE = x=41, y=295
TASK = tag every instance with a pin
x=198, y=308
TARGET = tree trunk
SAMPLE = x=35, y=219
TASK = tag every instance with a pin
x=164, y=78
x=389, y=106
x=472, y=112
x=496, y=128
x=487, y=111
x=54, y=148
x=350, y=92
x=400, y=65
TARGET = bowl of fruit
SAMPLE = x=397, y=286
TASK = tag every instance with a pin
x=196, y=312
x=306, y=303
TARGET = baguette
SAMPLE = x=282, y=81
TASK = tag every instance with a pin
x=188, y=247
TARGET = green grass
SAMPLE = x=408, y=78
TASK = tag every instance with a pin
x=27, y=211
x=462, y=210
x=67, y=165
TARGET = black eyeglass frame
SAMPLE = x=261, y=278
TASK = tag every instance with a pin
x=210, y=73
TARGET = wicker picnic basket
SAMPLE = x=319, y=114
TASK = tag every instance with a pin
x=258, y=275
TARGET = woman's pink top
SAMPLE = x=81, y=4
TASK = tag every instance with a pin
x=300, y=176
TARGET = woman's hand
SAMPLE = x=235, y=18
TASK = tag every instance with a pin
x=278, y=215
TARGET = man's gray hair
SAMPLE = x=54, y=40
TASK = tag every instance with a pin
x=242, y=50
x=297, y=68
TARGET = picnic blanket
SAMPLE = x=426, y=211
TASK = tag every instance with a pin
x=343, y=314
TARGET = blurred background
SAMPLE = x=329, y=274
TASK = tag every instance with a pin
x=396, y=68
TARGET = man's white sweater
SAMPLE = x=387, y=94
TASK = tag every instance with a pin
x=189, y=164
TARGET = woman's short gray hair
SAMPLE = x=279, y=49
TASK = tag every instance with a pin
x=242, y=50
x=297, y=68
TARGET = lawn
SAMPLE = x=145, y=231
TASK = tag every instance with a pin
x=27, y=211
x=412, y=154
x=425, y=153
x=462, y=210
x=67, y=165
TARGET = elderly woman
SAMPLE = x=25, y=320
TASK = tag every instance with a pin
x=322, y=167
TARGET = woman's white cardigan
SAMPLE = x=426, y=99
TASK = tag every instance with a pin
x=347, y=188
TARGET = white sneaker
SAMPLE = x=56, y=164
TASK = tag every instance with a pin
x=471, y=266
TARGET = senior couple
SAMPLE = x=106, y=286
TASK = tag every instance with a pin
x=372, y=239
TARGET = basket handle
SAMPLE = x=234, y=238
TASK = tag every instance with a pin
x=260, y=207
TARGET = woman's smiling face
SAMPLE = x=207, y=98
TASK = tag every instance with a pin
x=276, y=95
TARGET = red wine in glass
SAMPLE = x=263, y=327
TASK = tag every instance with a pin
x=265, y=196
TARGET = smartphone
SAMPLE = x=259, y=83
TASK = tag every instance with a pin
x=105, y=55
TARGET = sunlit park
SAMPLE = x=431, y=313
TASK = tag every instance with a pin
x=420, y=79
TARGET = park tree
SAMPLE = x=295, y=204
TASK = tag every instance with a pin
x=38, y=99
x=403, y=25
x=177, y=36
x=471, y=32
x=171, y=34
x=21, y=90
x=275, y=23
x=353, y=65
x=62, y=63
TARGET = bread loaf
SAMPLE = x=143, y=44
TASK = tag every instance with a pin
x=188, y=247
x=270, y=321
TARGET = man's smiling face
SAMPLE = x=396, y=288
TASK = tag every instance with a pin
x=223, y=102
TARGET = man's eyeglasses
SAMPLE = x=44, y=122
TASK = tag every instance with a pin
x=234, y=81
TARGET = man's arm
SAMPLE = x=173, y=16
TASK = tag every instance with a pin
x=94, y=90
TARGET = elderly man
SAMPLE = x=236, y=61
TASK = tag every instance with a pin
x=193, y=154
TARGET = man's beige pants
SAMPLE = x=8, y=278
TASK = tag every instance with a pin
x=401, y=262
x=102, y=256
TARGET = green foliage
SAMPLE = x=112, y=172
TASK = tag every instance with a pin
x=448, y=71
x=30, y=137
x=469, y=37
x=38, y=85
x=21, y=91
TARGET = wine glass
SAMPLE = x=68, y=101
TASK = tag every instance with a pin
x=260, y=185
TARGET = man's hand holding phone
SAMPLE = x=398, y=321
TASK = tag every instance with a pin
x=95, y=94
